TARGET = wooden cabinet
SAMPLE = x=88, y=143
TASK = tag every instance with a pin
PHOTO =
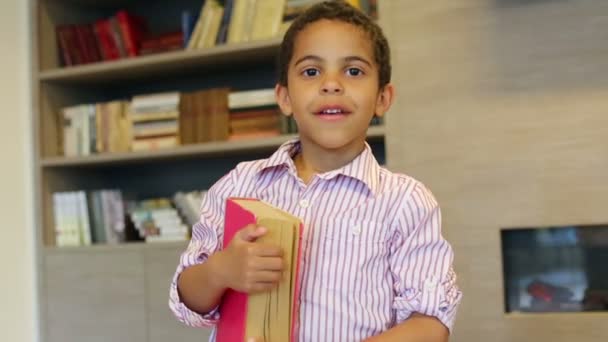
x=95, y=296
x=117, y=293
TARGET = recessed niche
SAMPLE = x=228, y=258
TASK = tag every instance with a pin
x=555, y=269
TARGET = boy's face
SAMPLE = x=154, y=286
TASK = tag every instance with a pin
x=332, y=88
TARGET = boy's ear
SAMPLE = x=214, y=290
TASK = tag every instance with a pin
x=385, y=99
x=282, y=96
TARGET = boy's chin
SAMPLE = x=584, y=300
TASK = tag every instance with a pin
x=335, y=141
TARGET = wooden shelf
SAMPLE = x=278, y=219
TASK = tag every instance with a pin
x=97, y=3
x=182, y=152
x=162, y=64
x=106, y=248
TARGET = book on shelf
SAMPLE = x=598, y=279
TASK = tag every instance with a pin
x=155, y=119
x=82, y=219
x=208, y=26
x=157, y=220
x=204, y=116
x=113, y=126
x=165, y=120
x=162, y=42
x=125, y=34
x=107, y=38
x=267, y=19
x=105, y=216
x=236, y=21
x=273, y=315
x=188, y=204
x=255, y=114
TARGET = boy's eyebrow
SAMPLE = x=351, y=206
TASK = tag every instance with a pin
x=307, y=57
x=345, y=59
x=358, y=59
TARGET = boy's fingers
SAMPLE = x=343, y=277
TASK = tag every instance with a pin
x=268, y=277
x=267, y=250
x=251, y=232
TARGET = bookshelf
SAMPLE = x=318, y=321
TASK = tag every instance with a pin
x=375, y=133
x=90, y=292
x=156, y=65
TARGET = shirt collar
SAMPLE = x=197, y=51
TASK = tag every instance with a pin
x=364, y=167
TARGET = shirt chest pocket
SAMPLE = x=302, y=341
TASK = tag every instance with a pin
x=356, y=232
x=354, y=251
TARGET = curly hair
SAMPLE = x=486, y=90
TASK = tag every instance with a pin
x=340, y=11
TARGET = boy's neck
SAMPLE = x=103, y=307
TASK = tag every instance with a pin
x=313, y=160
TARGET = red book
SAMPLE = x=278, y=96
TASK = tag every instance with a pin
x=244, y=316
x=107, y=44
x=87, y=56
x=63, y=39
x=133, y=29
x=92, y=42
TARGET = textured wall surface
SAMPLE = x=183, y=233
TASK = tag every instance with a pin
x=502, y=110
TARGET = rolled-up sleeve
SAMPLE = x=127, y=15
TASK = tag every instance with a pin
x=206, y=239
x=421, y=262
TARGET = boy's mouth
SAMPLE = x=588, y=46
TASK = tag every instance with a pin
x=332, y=112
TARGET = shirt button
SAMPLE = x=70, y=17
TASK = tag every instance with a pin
x=430, y=283
x=356, y=230
x=304, y=203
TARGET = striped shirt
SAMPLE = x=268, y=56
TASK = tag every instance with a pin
x=372, y=249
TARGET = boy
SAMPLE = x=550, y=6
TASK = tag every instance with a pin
x=374, y=264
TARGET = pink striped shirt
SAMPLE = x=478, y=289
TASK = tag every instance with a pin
x=372, y=249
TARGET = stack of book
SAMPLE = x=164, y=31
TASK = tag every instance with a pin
x=188, y=204
x=255, y=114
x=218, y=22
x=155, y=120
x=237, y=21
x=96, y=128
x=165, y=120
x=157, y=220
x=204, y=116
x=110, y=38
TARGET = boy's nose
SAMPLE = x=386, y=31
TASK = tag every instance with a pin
x=333, y=88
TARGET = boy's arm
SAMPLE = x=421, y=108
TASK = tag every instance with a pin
x=193, y=261
x=417, y=328
x=243, y=266
x=205, y=272
x=426, y=295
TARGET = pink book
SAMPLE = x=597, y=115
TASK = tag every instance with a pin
x=281, y=325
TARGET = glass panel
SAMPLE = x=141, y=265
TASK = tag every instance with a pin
x=555, y=269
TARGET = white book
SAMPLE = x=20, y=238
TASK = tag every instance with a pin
x=83, y=218
x=70, y=139
x=157, y=102
x=59, y=219
x=72, y=230
x=251, y=98
x=111, y=235
x=84, y=131
x=267, y=19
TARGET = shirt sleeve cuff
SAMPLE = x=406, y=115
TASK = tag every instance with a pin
x=431, y=299
x=187, y=316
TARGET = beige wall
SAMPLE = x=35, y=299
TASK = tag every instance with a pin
x=502, y=110
x=17, y=294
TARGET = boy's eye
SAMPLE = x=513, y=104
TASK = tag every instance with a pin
x=310, y=72
x=354, y=71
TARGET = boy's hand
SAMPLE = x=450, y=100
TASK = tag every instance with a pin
x=250, y=267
